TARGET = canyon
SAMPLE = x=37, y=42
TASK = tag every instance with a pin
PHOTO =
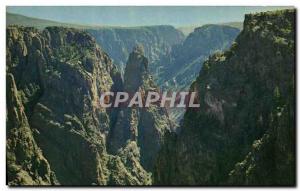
x=243, y=133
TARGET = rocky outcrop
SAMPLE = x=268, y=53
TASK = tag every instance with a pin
x=244, y=131
x=146, y=126
x=59, y=74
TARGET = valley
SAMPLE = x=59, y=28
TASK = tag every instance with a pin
x=243, y=133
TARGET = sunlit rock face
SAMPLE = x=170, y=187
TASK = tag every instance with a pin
x=57, y=131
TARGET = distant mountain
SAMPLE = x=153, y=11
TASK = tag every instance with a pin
x=238, y=25
x=156, y=40
x=118, y=41
x=184, y=62
x=16, y=19
x=186, y=30
x=161, y=44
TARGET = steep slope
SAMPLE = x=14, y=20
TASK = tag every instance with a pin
x=244, y=131
x=59, y=74
x=185, y=60
x=119, y=41
x=145, y=126
x=180, y=68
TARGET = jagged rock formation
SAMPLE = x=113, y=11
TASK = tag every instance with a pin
x=156, y=40
x=56, y=127
x=144, y=127
x=244, y=130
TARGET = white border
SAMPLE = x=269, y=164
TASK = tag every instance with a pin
x=5, y=3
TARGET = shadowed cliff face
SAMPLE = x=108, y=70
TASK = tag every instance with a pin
x=243, y=133
x=55, y=78
x=145, y=127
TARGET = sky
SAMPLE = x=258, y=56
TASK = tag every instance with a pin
x=138, y=15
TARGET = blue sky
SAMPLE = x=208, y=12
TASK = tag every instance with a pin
x=137, y=16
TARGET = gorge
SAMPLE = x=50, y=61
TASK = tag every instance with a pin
x=243, y=133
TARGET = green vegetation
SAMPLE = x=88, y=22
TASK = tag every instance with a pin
x=244, y=131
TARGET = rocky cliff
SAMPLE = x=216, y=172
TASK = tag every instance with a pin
x=57, y=131
x=244, y=131
x=165, y=47
x=26, y=164
x=145, y=126
x=242, y=134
